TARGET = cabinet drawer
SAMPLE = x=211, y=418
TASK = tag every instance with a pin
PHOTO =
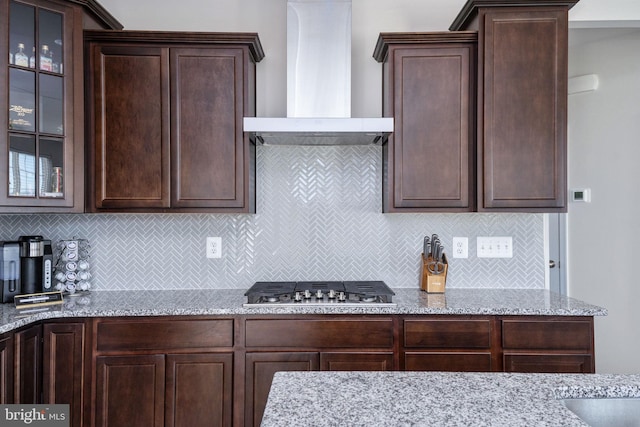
x=301, y=333
x=549, y=363
x=356, y=361
x=447, y=333
x=165, y=334
x=547, y=334
x=447, y=361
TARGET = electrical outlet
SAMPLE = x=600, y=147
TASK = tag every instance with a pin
x=214, y=247
x=460, y=247
x=495, y=247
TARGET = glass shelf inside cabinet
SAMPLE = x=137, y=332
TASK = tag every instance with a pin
x=36, y=102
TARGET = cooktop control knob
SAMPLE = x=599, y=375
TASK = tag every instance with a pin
x=342, y=296
x=297, y=297
x=307, y=294
x=332, y=294
x=319, y=294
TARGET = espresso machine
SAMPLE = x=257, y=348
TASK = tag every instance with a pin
x=26, y=267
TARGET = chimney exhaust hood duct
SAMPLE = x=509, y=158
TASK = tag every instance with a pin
x=319, y=82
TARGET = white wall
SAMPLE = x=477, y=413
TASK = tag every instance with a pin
x=604, y=155
x=591, y=12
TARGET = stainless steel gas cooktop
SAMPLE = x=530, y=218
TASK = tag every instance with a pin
x=297, y=294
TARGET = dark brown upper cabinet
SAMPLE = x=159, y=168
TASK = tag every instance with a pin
x=429, y=89
x=41, y=98
x=165, y=121
x=522, y=103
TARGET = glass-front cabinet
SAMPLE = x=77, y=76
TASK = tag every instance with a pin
x=42, y=128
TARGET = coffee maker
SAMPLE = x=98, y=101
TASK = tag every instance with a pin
x=26, y=267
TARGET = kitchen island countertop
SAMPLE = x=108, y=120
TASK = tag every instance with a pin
x=323, y=399
x=465, y=301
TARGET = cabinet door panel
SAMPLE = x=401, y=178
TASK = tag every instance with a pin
x=432, y=142
x=6, y=369
x=523, y=142
x=63, y=367
x=260, y=368
x=356, y=361
x=28, y=363
x=131, y=137
x=208, y=145
x=130, y=391
x=199, y=390
x=41, y=100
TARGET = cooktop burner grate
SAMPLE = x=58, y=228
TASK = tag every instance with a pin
x=352, y=293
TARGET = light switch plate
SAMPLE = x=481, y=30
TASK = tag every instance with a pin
x=495, y=247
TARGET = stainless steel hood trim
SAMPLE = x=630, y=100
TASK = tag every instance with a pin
x=319, y=131
x=304, y=125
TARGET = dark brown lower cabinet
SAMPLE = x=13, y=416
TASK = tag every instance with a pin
x=192, y=371
x=554, y=345
x=448, y=343
x=163, y=371
x=311, y=343
x=63, y=367
x=199, y=390
x=28, y=365
x=260, y=368
x=154, y=390
x=6, y=368
x=130, y=391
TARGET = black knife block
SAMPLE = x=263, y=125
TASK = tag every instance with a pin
x=430, y=282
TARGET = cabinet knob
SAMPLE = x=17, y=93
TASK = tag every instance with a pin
x=552, y=264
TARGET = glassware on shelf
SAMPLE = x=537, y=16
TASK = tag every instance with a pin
x=20, y=58
x=32, y=58
x=56, y=180
x=55, y=67
x=10, y=58
x=46, y=63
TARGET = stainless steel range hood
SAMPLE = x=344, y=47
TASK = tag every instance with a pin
x=318, y=82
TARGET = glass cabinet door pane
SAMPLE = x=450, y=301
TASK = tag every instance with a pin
x=51, y=104
x=22, y=34
x=22, y=166
x=51, y=167
x=22, y=100
x=50, y=35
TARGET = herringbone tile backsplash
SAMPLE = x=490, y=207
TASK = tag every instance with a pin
x=319, y=218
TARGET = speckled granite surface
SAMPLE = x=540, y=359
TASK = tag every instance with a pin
x=322, y=399
x=229, y=302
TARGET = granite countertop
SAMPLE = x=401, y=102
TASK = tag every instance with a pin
x=229, y=302
x=324, y=399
